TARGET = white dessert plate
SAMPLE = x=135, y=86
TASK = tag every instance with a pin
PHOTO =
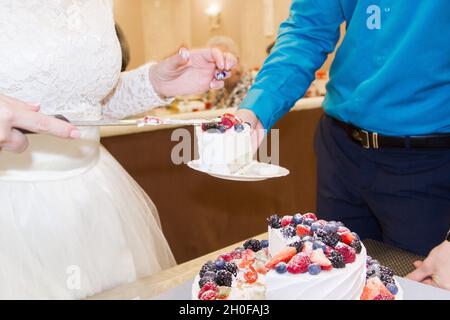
x=255, y=171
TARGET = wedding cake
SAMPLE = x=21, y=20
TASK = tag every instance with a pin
x=304, y=259
x=224, y=146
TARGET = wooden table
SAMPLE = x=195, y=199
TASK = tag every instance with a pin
x=161, y=282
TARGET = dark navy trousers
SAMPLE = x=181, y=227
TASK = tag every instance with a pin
x=398, y=196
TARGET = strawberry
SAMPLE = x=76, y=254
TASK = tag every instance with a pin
x=317, y=256
x=286, y=220
x=347, y=238
x=299, y=264
x=209, y=286
x=307, y=248
x=347, y=252
x=310, y=215
x=250, y=275
x=283, y=256
x=209, y=295
x=248, y=258
x=260, y=267
x=303, y=230
x=227, y=123
x=375, y=290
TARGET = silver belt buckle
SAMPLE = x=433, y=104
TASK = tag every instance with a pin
x=365, y=139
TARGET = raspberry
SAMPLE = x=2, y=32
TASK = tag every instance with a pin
x=299, y=264
x=274, y=221
x=286, y=220
x=207, y=287
x=253, y=245
x=209, y=266
x=303, y=230
x=356, y=244
x=224, y=278
x=310, y=215
x=209, y=295
x=384, y=297
x=227, y=123
x=337, y=260
x=347, y=252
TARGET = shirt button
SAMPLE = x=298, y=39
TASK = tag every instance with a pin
x=379, y=60
x=387, y=10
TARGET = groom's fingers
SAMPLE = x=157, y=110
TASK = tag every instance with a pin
x=421, y=273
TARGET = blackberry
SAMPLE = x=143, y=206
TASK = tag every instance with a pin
x=209, y=266
x=386, y=271
x=205, y=280
x=297, y=245
x=289, y=231
x=329, y=238
x=274, y=222
x=253, y=245
x=386, y=279
x=372, y=271
x=356, y=244
x=232, y=268
x=337, y=260
x=224, y=278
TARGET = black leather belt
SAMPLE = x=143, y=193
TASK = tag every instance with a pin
x=374, y=140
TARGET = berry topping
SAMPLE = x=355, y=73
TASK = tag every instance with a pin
x=297, y=245
x=308, y=221
x=213, y=127
x=209, y=286
x=299, y=264
x=227, y=122
x=315, y=226
x=224, y=293
x=231, y=118
x=303, y=230
x=224, y=278
x=392, y=288
x=274, y=222
x=310, y=215
x=330, y=227
x=319, y=245
x=239, y=127
x=253, y=245
x=375, y=290
x=373, y=271
x=281, y=268
x=286, y=220
x=337, y=260
x=314, y=269
x=288, y=231
x=282, y=256
x=209, y=266
x=342, y=230
x=264, y=243
x=318, y=257
x=297, y=219
x=356, y=244
x=347, y=238
x=329, y=238
x=250, y=275
x=227, y=257
x=260, y=267
x=220, y=264
x=232, y=268
x=209, y=295
x=203, y=281
x=347, y=252
x=307, y=248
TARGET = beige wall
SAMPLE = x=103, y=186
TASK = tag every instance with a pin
x=157, y=28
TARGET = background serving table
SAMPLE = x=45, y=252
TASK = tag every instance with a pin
x=175, y=283
x=206, y=213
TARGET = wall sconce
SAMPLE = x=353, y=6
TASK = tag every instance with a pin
x=213, y=12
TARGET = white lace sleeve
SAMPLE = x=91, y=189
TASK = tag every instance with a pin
x=133, y=94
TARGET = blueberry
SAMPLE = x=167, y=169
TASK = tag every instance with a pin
x=265, y=243
x=239, y=127
x=308, y=221
x=392, y=288
x=314, y=269
x=281, y=267
x=319, y=245
x=297, y=219
x=329, y=227
x=308, y=238
x=220, y=264
x=315, y=226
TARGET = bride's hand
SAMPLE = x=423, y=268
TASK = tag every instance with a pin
x=191, y=72
x=15, y=114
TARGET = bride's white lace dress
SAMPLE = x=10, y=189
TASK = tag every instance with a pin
x=72, y=221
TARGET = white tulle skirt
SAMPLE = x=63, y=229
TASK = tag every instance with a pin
x=73, y=223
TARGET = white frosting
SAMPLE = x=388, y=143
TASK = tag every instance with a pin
x=224, y=153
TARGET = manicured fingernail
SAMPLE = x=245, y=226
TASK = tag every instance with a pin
x=184, y=53
x=75, y=134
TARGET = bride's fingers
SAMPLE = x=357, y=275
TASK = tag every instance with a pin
x=40, y=123
x=17, y=142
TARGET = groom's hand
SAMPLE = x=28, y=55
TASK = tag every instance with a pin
x=258, y=131
x=435, y=269
x=191, y=72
